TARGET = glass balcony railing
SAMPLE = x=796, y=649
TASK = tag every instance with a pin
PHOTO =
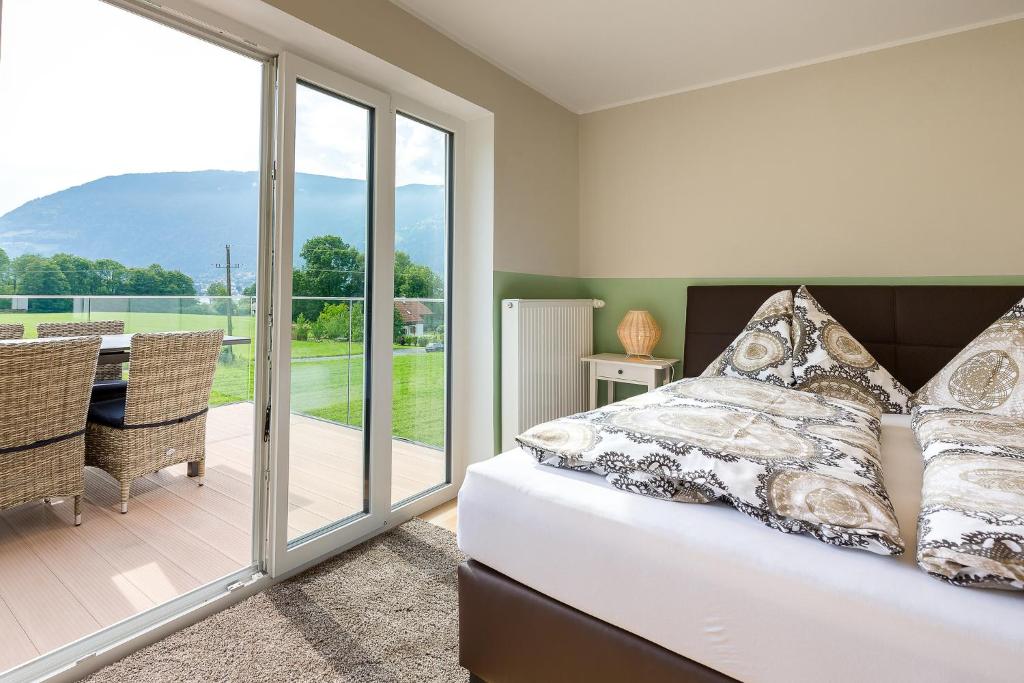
x=326, y=349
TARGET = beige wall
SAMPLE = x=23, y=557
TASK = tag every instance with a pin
x=536, y=152
x=906, y=161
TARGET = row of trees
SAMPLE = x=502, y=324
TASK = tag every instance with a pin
x=331, y=267
x=67, y=274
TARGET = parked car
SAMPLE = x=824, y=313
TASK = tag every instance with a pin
x=435, y=346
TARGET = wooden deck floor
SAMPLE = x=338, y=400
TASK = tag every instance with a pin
x=59, y=582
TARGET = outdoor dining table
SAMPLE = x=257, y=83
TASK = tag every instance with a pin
x=116, y=348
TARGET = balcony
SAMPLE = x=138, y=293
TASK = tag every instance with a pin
x=59, y=582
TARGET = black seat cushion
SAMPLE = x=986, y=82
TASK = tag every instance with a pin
x=106, y=389
x=109, y=413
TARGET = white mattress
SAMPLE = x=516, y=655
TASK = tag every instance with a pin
x=711, y=584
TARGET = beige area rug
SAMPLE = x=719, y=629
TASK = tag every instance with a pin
x=386, y=610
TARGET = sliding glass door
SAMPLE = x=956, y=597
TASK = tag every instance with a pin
x=360, y=402
x=270, y=212
x=134, y=164
x=330, y=415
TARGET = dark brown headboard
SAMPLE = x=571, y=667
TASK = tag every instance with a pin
x=912, y=330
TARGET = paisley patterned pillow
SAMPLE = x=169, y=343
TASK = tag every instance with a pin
x=764, y=349
x=971, y=525
x=988, y=375
x=827, y=360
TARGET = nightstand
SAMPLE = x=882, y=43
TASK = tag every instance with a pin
x=616, y=367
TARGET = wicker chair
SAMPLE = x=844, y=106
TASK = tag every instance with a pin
x=161, y=419
x=44, y=396
x=12, y=331
x=105, y=372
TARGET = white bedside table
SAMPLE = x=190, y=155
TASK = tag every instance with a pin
x=615, y=367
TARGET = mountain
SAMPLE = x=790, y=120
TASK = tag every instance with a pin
x=183, y=220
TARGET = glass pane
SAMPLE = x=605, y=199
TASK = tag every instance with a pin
x=129, y=158
x=327, y=472
x=419, y=400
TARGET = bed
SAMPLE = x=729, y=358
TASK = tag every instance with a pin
x=570, y=579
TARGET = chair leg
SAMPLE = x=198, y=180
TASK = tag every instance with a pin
x=201, y=471
x=78, y=510
x=126, y=487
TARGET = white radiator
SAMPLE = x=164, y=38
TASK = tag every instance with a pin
x=542, y=341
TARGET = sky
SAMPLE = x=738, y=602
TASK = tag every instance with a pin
x=89, y=90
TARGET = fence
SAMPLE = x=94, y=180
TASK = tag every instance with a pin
x=326, y=349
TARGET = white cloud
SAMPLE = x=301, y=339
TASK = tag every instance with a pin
x=420, y=153
x=330, y=135
x=89, y=90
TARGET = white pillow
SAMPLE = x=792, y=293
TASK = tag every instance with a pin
x=763, y=351
x=827, y=360
x=988, y=375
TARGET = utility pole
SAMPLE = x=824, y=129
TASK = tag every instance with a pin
x=227, y=266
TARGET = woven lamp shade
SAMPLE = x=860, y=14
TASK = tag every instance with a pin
x=639, y=333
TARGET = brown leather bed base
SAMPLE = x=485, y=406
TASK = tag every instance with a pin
x=509, y=633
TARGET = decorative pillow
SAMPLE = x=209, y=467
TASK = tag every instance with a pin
x=988, y=375
x=796, y=462
x=827, y=360
x=764, y=349
x=971, y=526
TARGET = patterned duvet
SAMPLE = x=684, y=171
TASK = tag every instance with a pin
x=971, y=527
x=795, y=461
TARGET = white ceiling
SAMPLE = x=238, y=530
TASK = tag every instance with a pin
x=594, y=54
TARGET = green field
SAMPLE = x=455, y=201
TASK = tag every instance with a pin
x=326, y=382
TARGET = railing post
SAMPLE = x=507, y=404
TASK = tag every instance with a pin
x=348, y=368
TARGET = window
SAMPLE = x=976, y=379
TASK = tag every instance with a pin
x=423, y=162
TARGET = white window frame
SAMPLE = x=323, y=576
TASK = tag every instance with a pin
x=282, y=558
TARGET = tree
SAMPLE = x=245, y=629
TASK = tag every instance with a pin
x=79, y=272
x=111, y=275
x=176, y=282
x=330, y=268
x=397, y=326
x=333, y=322
x=38, y=275
x=154, y=280
x=5, y=267
x=415, y=281
x=218, y=289
x=418, y=282
x=6, y=283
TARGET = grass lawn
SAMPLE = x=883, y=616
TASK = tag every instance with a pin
x=330, y=388
x=333, y=390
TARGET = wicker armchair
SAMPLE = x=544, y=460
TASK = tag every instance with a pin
x=44, y=396
x=12, y=331
x=161, y=419
x=107, y=371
